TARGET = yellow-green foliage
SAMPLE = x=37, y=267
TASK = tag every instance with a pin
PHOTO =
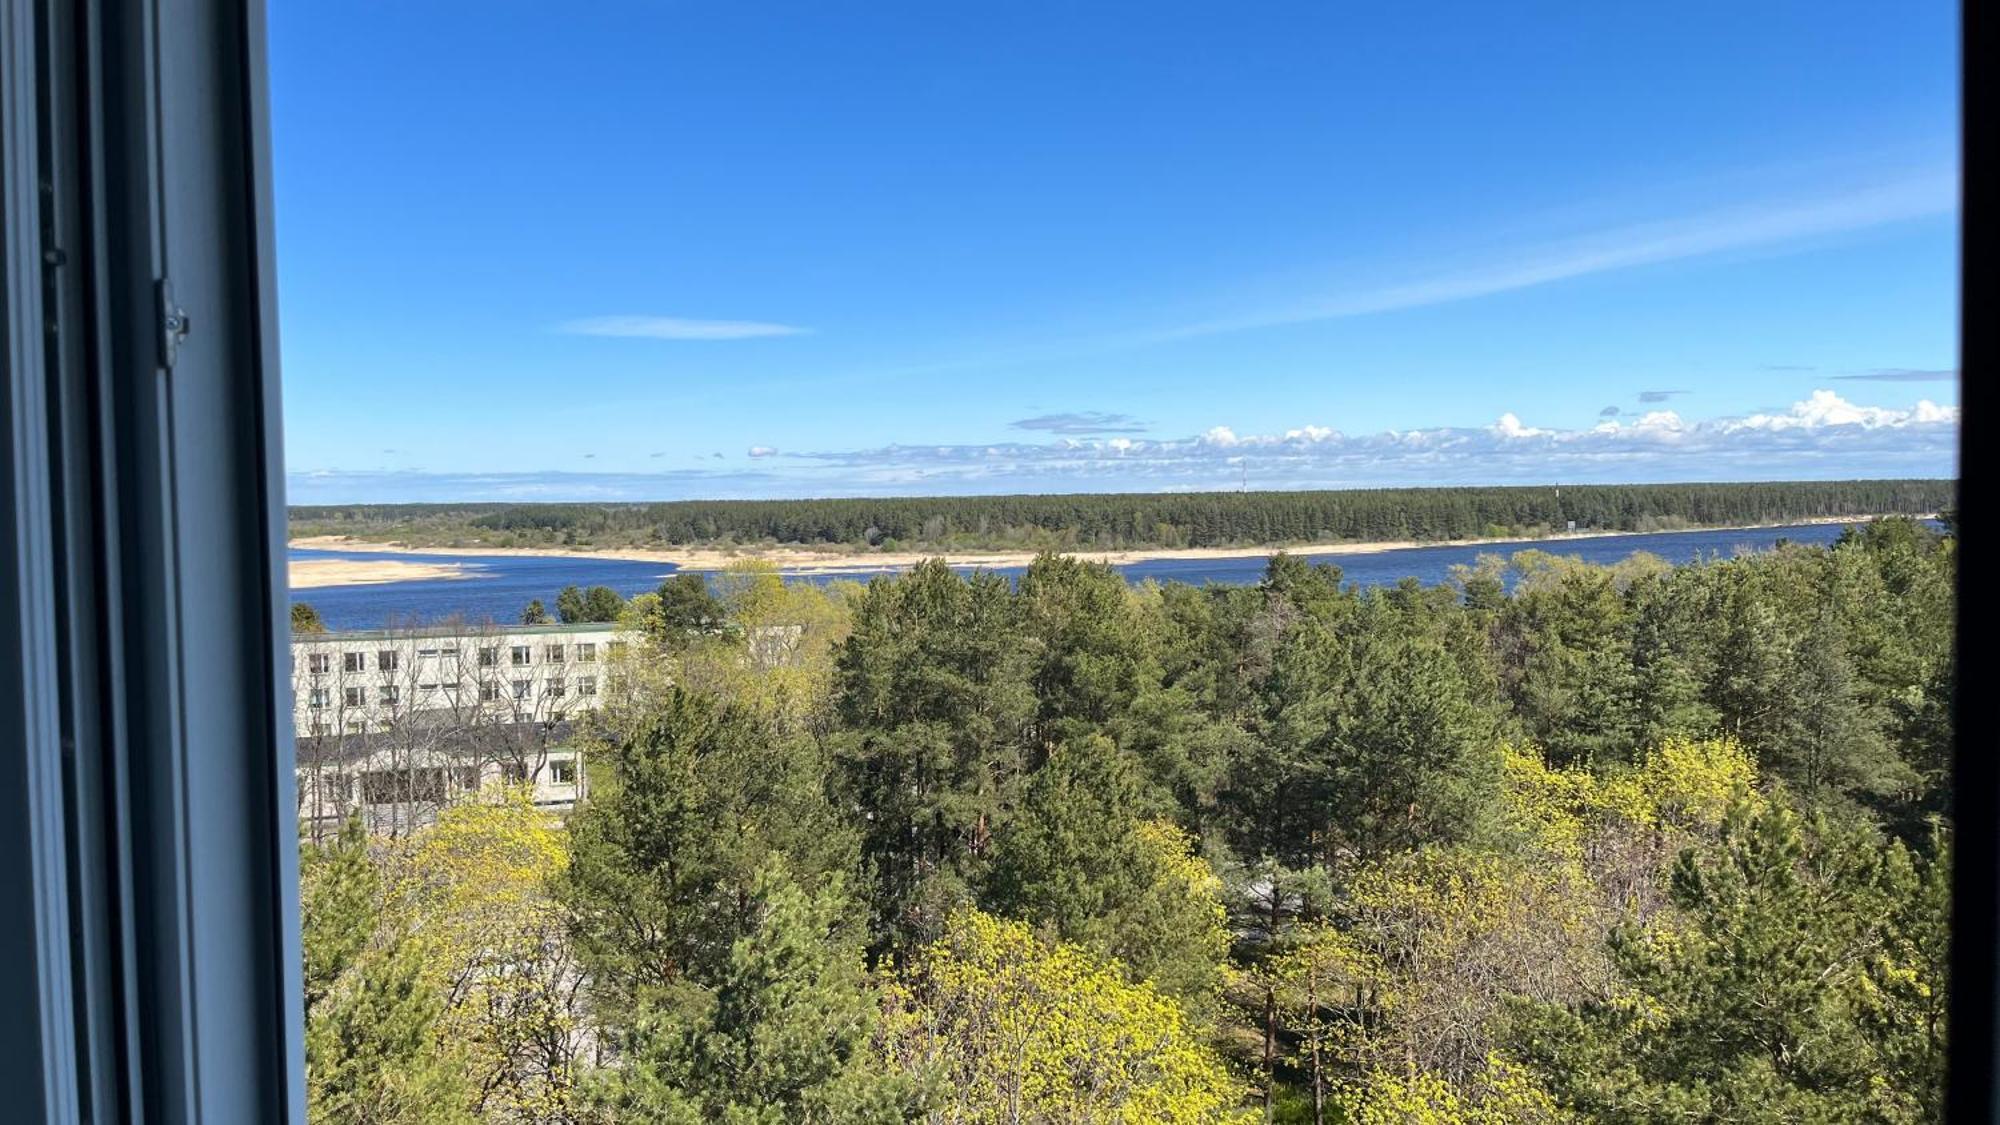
x=1450, y=933
x=1185, y=895
x=474, y=890
x=779, y=658
x=1007, y=1028
x=1683, y=783
x=1437, y=940
x=480, y=874
x=1500, y=1095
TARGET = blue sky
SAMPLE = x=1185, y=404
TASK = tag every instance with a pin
x=671, y=250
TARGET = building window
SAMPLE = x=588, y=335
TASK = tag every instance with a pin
x=321, y=730
x=523, y=655
x=383, y=787
x=586, y=685
x=318, y=697
x=356, y=696
x=562, y=771
x=353, y=661
x=553, y=653
x=468, y=777
x=557, y=689
x=334, y=789
x=319, y=663
x=586, y=653
x=513, y=773
x=391, y=694
x=488, y=692
x=489, y=656
x=615, y=649
x=387, y=659
x=521, y=688
x=558, y=716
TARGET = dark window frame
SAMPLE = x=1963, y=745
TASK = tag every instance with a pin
x=149, y=830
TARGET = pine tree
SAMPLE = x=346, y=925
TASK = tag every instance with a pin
x=933, y=689
x=664, y=854
x=340, y=897
x=1753, y=1010
x=1078, y=862
x=373, y=1055
x=784, y=1036
x=687, y=610
x=1826, y=741
x=1403, y=753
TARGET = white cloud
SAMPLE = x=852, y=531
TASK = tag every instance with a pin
x=677, y=328
x=1510, y=426
x=1825, y=409
x=1823, y=434
x=1929, y=413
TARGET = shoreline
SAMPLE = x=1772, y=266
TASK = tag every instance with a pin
x=804, y=561
x=315, y=574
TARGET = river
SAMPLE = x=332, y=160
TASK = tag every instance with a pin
x=497, y=587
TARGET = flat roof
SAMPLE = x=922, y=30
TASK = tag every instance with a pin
x=466, y=631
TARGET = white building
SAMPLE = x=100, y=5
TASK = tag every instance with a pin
x=396, y=722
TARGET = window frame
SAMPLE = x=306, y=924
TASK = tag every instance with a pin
x=150, y=831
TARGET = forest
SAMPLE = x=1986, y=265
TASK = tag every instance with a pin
x=1117, y=521
x=1551, y=842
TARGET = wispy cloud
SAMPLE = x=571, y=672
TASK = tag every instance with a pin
x=1756, y=226
x=762, y=451
x=1608, y=412
x=1658, y=396
x=1906, y=375
x=677, y=328
x=1788, y=367
x=1082, y=422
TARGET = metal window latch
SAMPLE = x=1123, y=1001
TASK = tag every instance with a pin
x=173, y=323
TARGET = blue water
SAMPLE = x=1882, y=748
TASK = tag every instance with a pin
x=496, y=588
x=499, y=586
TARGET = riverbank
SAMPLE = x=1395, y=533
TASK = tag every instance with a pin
x=308, y=574
x=836, y=560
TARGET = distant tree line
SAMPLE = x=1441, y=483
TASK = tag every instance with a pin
x=1200, y=519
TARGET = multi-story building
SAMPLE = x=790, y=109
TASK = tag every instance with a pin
x=396, y=722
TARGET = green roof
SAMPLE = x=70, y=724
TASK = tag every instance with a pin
x=469, y=631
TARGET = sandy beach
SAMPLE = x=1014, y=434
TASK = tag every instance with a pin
x=310, y=573
x=833, y=560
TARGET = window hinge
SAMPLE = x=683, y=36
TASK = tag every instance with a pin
x=173, y=322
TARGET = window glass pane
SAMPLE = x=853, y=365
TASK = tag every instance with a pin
x=1285, y=562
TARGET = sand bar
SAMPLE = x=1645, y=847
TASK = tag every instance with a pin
x=308, y=574
x=796, y=559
